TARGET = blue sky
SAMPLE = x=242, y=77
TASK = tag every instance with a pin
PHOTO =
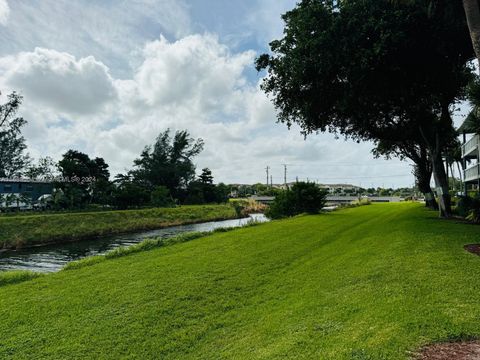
x=105, y=77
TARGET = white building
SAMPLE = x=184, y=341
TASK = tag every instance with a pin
x=470, y=154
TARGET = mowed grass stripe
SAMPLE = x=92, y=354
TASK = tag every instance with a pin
x=373, y=282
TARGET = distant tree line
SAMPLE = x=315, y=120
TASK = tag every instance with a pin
x=163, y=175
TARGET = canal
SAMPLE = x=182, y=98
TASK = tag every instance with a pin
x=53, y=257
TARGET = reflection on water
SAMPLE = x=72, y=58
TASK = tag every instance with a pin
x=53, y=258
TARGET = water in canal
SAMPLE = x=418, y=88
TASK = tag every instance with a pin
x=53, y=258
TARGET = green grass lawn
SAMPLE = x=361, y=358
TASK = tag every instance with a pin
x=373, y=282
x=25, y=230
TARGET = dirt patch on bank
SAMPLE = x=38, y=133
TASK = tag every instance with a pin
x=473, y=248
x=451, y=351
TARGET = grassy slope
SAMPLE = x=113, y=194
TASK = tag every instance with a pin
x=37, y=229
x=366, y=283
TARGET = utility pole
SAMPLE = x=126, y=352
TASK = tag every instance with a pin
x=285, y=174
x=271, y=181
x=268, y=172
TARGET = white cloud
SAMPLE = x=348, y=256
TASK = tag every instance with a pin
x=4, y=12
x=194, y=83
x=196, y=71
x=113, y=31
x=60, y=81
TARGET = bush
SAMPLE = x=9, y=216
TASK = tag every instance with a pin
x=469, y=208
x=160, y=197
x=303, y=197
x=464, y=205
x=474, y=212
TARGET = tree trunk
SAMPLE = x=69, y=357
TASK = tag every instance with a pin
x=472, y=11
x=441, y=181
x=423, y=173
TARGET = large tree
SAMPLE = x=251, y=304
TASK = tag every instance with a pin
x=370, y=69
x=472, y=12
x=422, y=169
x=13, y=159
x=44, y=169
x=85, y=180
x=169, y=163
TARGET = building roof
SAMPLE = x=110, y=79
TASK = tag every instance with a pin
x=339, y=185
x=23, y=181
x=471, y=125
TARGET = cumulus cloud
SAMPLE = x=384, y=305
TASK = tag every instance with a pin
x=193, y=83
x=4, y=12
x=59, y=80
x=197, y=70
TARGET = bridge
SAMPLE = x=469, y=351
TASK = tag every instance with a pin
x=337, y=200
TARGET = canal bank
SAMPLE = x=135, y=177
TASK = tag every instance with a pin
x=53, y=258
x=25, y=231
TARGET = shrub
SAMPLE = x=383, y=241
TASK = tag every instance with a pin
x=239, y=207
x=469, y=208
x=244, y=207
x=303, y=197
x=474, y=212
x=464, y=205
x=160, y=197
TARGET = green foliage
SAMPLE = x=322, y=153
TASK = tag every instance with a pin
x=472, y=209
x=84, y=180
x=347, y=67
x=373, y=282
x=222, y=192
x=474, y=214
x=160, y=197
x=204, y=191
x=464, y=205
x=264, y=190
x=13, y=159
x=469, y=208
x=44, y=169
x=30, y=230
x=239, y=207
x=303, y=197
x=129, y=194
x=168, y=163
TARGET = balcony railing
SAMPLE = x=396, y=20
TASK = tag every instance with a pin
x=470, y=145
x=472, y=173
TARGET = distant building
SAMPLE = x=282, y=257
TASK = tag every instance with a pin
x=24, y=188
x=470, y=155
x=339, y=188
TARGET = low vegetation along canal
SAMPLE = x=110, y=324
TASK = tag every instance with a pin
x=53, y=258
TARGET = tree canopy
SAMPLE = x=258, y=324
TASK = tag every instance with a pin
x=168, y=162
x=13, y=158
x=372, y=70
